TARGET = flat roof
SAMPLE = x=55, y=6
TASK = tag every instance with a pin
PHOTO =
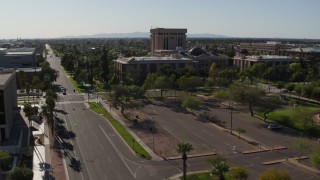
x=305, y=50
x=4, y=77
x=152, y=59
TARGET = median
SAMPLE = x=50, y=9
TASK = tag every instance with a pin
x=132, y=143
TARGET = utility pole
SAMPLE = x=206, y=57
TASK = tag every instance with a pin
x=231, y=108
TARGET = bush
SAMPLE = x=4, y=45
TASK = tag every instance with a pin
x=5, y=161
x=19, y=173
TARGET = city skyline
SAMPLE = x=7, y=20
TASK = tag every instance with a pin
x=249, y=18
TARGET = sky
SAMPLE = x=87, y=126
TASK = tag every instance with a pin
x=233, y=18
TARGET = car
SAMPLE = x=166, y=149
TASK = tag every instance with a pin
x=64, y=92
x=274, y=127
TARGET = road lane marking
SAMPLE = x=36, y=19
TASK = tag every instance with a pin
x=134, y=174
x=64, y=116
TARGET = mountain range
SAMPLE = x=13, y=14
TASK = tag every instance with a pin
x=140, y=35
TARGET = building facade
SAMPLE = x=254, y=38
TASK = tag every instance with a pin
x=8, y=102
x=166, y=41
x=243, y=62
x=151, y=64
x=17, y=58
x=271, y=47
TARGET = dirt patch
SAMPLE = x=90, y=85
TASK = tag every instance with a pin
x=152, y=134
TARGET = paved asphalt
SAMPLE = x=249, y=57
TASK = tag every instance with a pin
x=102, y=154
x=96, y=151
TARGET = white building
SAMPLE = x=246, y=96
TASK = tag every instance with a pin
x=17, y=58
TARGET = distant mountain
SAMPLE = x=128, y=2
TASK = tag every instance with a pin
x=140, y=35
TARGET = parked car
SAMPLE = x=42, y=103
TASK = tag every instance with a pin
x=274, y=127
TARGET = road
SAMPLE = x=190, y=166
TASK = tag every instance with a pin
x=93, y=150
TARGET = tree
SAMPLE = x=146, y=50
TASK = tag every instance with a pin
x=238, y=173
x=190, y=102
x=315, y=157
x=301, y=146
x=149, y=81
x=30, y=111
x=219, y=168
x=20, y=173
x=246, y=95
x=183, y=148
x=275, y=174
x=22, y=79
x=268, y=105
x=290, y=87
x=36, y=82
x=298, y=90
x=28, y=90
x=5, y=160
x=189, y=83
x=120, y=97
x=213, y=71
x=240, y=131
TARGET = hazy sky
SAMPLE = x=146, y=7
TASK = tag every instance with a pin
x=237, y=18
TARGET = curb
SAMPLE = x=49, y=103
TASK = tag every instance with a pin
x=190, y=156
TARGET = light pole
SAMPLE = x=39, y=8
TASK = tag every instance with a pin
x=231, y=108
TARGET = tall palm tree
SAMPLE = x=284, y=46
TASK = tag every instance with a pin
x=183, y=148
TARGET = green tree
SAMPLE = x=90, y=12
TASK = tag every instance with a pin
x=246, y=95
x=28, y=90
x=30, y=111
x=238, y=173
x=213, y=71
x=5, y=161
x=298, y=90
x=36, y=82
x=240, y=131
x=183, y=148
x=220, y=169
x=190, y=102
x=120, y=97
x=20, y=173
x=275, y=174
x=22, y=79
x=315, y=157
x=290, y=87
x=301, y=146
x=268, y=105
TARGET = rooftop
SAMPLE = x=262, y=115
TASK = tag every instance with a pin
x=305, y=50
x=16, y=51
x=4, y=77
x=152, y=58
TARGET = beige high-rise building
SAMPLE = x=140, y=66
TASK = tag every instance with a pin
x=167, y=41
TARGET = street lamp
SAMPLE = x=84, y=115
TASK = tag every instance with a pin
x=231, y=108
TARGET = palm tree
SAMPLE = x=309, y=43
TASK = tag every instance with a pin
x=183, y=148
x=219, y=169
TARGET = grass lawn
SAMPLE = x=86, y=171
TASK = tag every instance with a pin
x=79, y=88
x=291, y=117
x=135, y=146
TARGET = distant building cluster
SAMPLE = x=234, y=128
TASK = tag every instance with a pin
x=169, y=46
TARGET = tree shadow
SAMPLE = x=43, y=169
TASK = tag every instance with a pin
x=61, y=111
x=63, y=133
x=146, y=125
x=47, y=170
x=75, y=164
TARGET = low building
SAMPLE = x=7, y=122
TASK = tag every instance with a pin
x=271, y=47
x=17, y=58
x=8, y=102
x=151, y=64
x=244, y=62
x=205, y=59
x=310, y=53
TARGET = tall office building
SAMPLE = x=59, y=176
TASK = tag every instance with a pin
x=167, y=41
x=8, y=102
